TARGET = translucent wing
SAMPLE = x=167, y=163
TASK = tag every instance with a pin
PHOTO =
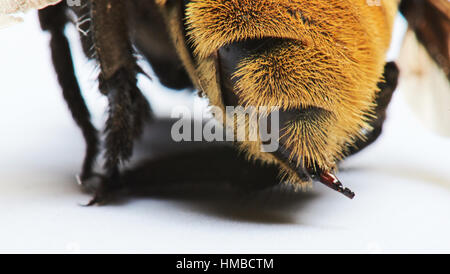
x=425, y=61
x=11, y=10
x=425, y=85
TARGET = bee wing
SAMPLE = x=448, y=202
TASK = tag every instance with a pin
x=425, y=62
x=425, y=85
x=11, y=10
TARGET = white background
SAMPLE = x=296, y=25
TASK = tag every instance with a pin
x=402, y=182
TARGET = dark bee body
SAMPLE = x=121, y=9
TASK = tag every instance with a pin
x=321, y=62
x=150, y=36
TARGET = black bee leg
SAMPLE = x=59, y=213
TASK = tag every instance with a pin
x=54, y=19
x=387, y=88
x=128, y=108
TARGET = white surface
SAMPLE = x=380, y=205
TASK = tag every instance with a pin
x=402, y=183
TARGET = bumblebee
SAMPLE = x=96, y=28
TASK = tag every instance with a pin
x=321, y=63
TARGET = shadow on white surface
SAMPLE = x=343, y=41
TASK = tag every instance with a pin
x=210, y=178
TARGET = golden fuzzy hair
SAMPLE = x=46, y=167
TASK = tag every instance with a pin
x=331, y=56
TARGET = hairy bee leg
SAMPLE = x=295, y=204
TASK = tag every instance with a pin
x=387, y=88
x=53, y=19
x=128, y=108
